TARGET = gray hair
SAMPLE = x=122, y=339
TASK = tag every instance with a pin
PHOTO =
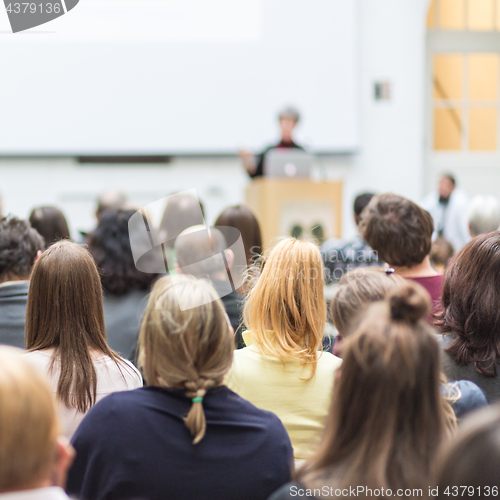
x=290, y=112
x=484, y=215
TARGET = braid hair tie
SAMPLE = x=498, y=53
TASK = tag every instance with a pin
x=197, y=400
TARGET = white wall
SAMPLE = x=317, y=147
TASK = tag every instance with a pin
x=392, y=48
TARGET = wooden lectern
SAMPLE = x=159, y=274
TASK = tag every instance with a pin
x=287, y=206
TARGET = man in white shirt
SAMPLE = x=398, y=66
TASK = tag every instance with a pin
x=448, y=208
x=34, y=460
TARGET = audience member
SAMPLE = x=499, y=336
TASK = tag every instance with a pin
x=198, y=251
x=386, y=418
x=182, y=211
x=66, y=336
x=471, y=316
x=469, y=464
x=341, y=256
x=441, y=253
x=401, y=232
x=243, y=219
x=448, y=208
x=50, y=224
x=110, y=199
x=281, y=369
x=33, y=458
x=20, y=245
x=141, y=444
x=484, y=215
x=357, y=291
x=125, y=287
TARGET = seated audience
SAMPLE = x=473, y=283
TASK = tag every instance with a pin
x=184, y=435
x=282, y=369
x=341, y=256
x=125, y=287
x=20, y=245
x=471, y=316
x=66, y=336
x=197, y=249
x=110, y=199
x=50, y=224
x=469, y=464
x=181, y=212
x=357, y=291
x=33, y=458
x=484, y=215
x=243, y=219
x=401, y=232
x=386, y=419
x=441, y=253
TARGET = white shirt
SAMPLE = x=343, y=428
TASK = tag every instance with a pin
x=50, y=493
x=110, y=379
x=452, y=218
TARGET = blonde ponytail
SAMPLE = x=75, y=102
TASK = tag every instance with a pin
x=195, y=420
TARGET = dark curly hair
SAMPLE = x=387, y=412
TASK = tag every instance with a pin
x=109, y=244
x=19, y=244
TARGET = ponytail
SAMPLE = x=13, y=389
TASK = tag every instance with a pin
x=195, y=420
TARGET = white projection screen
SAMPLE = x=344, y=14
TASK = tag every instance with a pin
x=180, y=77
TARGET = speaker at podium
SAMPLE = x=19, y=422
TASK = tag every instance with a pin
x=295, y=206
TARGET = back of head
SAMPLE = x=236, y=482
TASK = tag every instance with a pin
x=110, y=199
x=357, y=290
x=360, y=202
x=65, y=313
x=398, y=229
x=198, y=251
x=472, y=460
x=290, y=113
x=471, y=294
x=243, y=219
x=288, y=298
x=181, y=212
x=484, y=215
x=386, y=418
x=189, y=348
x=19, y=245
x=28, y=423
x=50, y=224
x=110, y=246
x=441, y=253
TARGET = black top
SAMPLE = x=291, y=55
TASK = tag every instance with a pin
x=13, y=299
x=134, y=445
x=123, y=315
x=455, y=371
x=259, y=171
x=296, y=490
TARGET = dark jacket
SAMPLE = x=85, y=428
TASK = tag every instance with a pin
x=13, y=299
x=134, y=444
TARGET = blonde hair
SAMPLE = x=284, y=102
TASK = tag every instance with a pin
x=288, y=298
x=357, y=290
x=190, y=349
x=29, y=426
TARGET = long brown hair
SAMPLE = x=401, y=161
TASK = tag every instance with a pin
x=65, y=313
x=471, y=295
x=386, y=419
x=288, y=298
x=188, y=348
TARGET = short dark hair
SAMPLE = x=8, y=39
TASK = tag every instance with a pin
x=19, y=245
x=110, y=246
x=361, y=201
x=471, y=294
x=398, y=229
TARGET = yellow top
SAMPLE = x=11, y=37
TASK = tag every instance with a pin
x=275, y=385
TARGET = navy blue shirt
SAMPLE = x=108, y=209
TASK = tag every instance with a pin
x=134, y=444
